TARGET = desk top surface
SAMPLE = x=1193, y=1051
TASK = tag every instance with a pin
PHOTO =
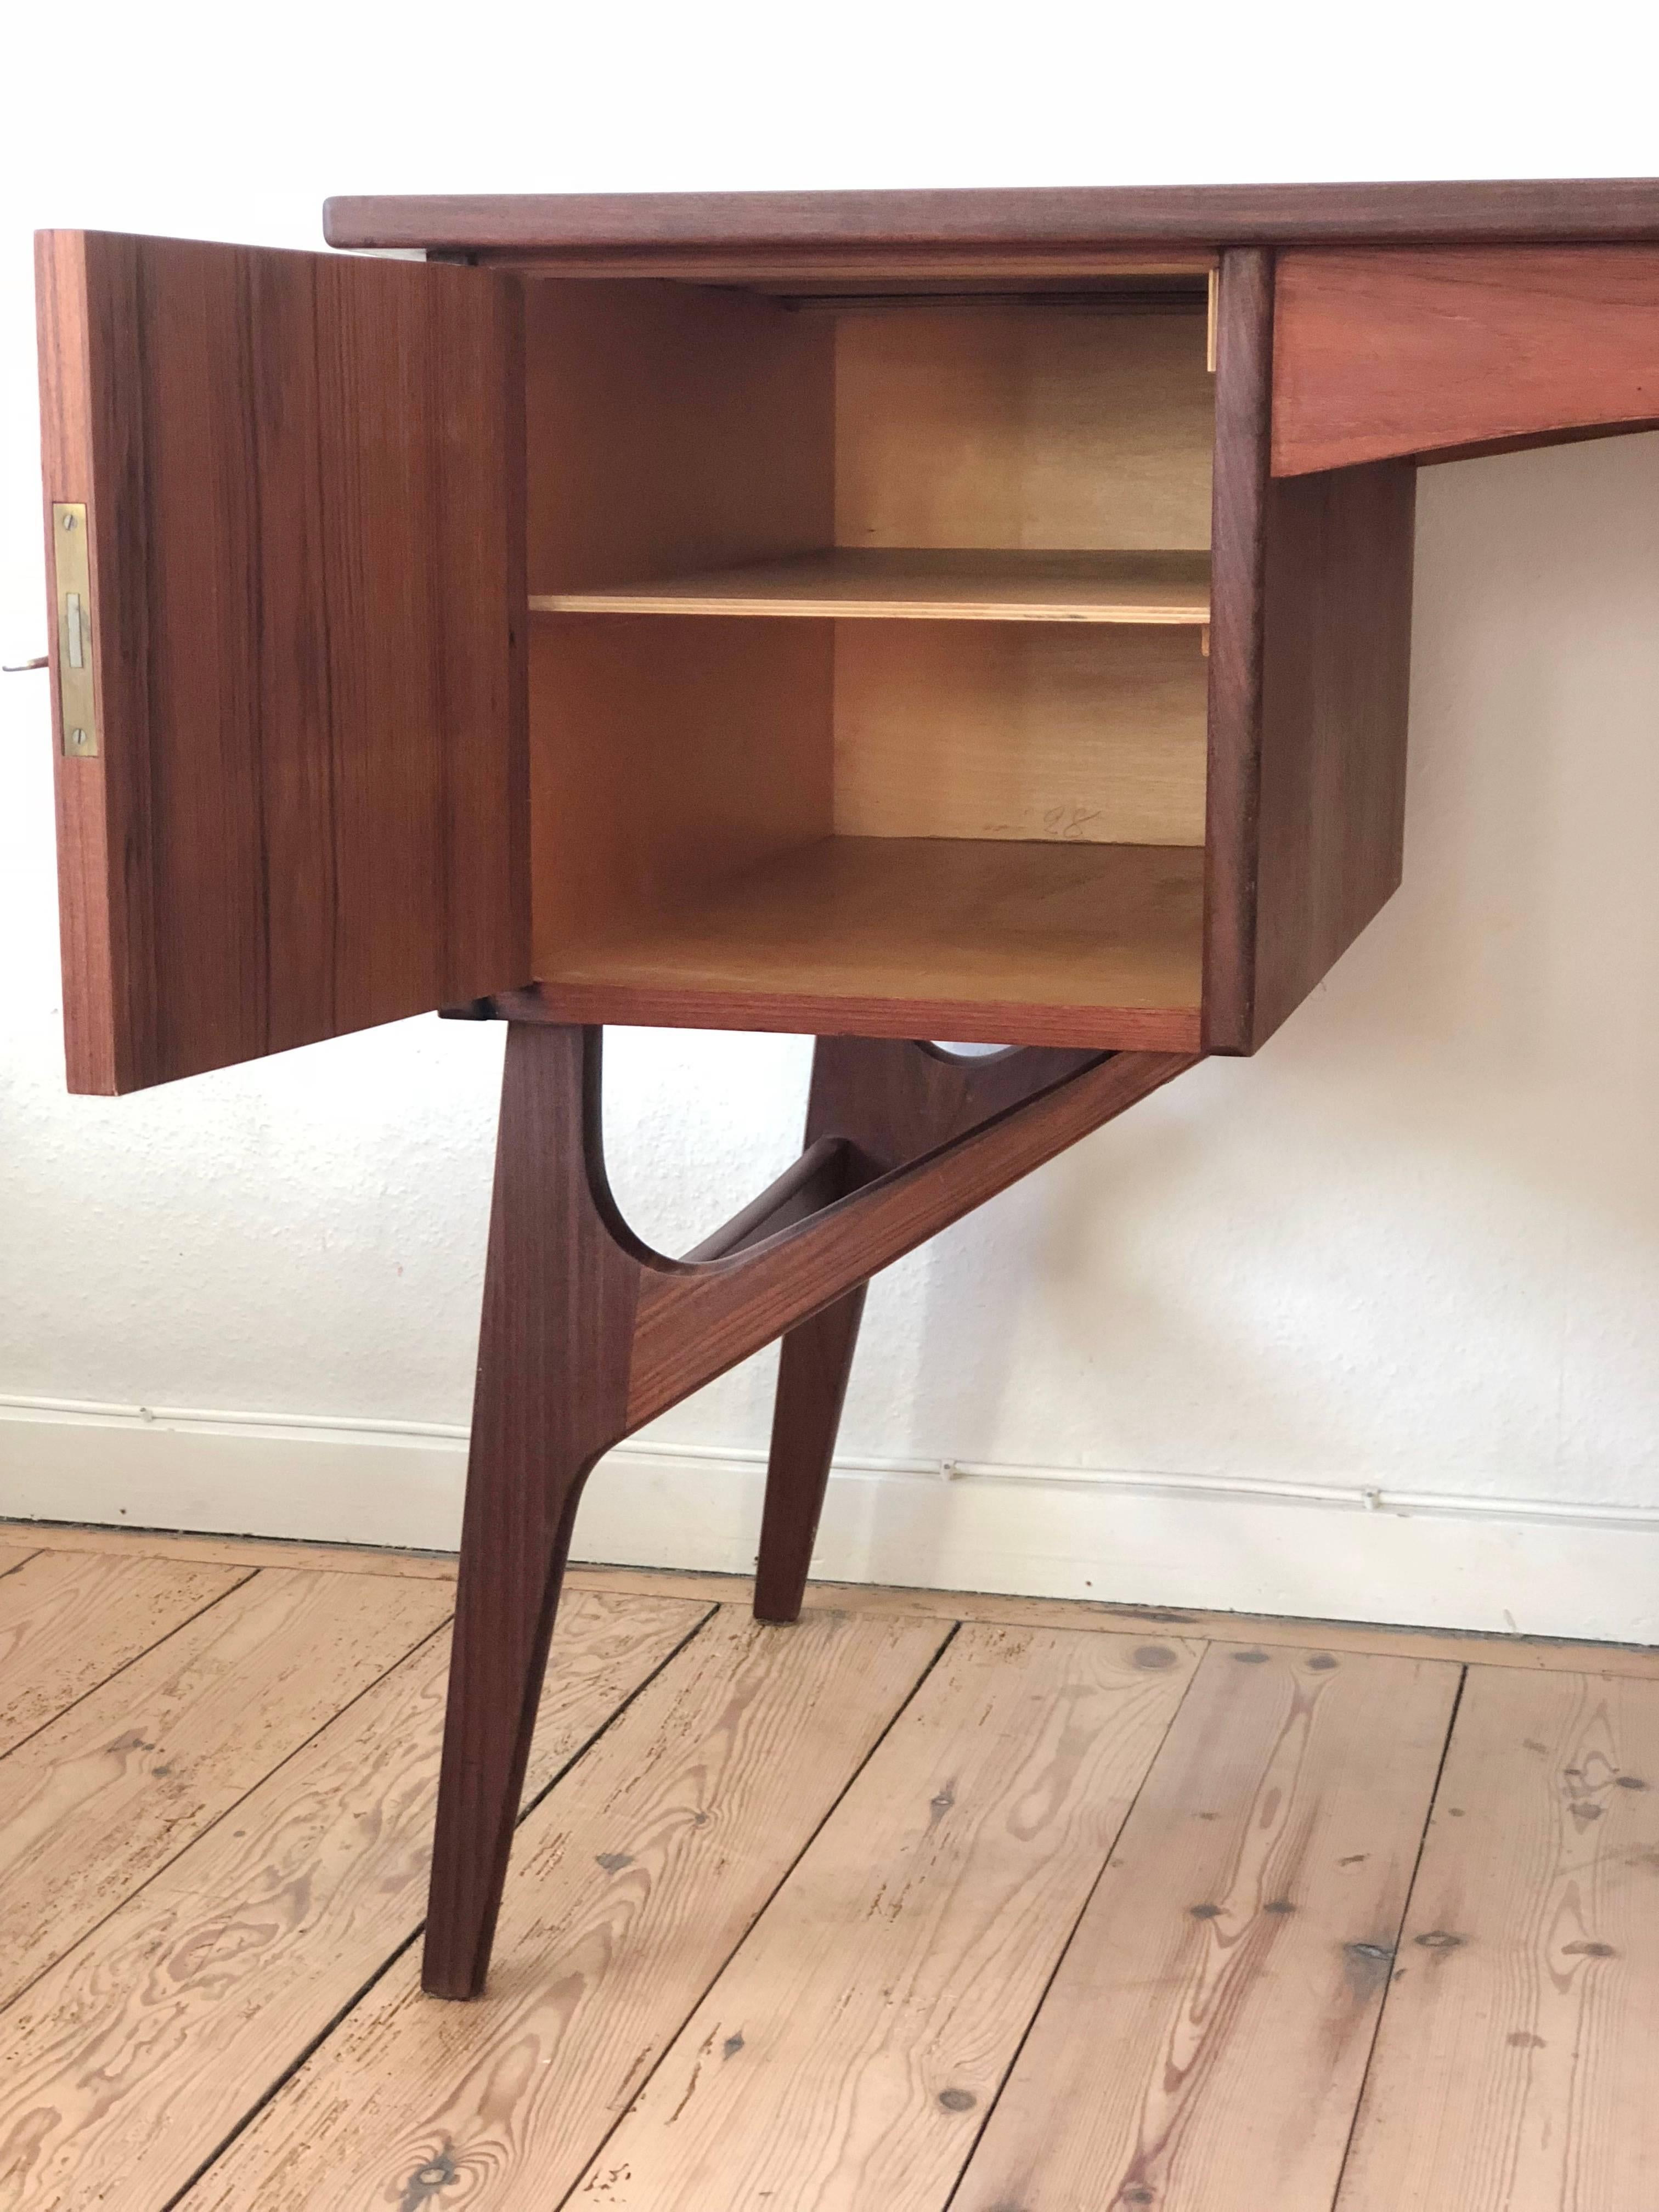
x=1538, y=210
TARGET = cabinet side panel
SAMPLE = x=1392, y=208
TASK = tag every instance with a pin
x=304, y=518
x=672, y=427
x=669, y=429
x=671, y=753
x=1456, y=348
x=1237, y=585
x=1336, y=672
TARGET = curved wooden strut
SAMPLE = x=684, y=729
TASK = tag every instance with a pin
x=587, y=1335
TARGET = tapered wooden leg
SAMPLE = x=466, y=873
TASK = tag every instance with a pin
x=558, y=1318
x=587, y=1335
x=887, y=1101
x=814, y=1366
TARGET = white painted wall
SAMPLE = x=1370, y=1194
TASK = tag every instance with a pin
x=1409, y=1250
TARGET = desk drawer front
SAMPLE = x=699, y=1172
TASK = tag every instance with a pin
x=1382, y=353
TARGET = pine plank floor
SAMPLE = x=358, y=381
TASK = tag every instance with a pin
x=931, y=1904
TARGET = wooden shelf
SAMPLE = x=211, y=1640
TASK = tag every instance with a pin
x=925, y=586
x=986, y=940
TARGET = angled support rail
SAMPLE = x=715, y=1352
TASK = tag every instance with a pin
x=587, y=1335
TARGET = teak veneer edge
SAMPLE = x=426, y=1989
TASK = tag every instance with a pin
x=1086, y=216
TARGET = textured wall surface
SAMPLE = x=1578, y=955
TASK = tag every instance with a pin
x=1413, y=1245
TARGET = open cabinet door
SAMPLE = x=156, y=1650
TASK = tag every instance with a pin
x=284, y=512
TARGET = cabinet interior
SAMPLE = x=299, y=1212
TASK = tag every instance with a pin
x=867, y=661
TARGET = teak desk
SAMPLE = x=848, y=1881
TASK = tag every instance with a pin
x=887, y=616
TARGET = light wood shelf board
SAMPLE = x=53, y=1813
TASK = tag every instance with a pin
x=875, y=583
x=847, y=923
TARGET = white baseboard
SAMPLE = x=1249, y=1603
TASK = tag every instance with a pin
x=1330, y=1552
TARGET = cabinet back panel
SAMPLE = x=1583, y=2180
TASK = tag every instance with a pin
x=1022, y=426
x=670, y=427
x=667, y=752
x=1067, y=731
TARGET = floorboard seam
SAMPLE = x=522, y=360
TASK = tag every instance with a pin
x=1405, y=1914
x=116, y=1673
x=1486, y=1646
x=1070, y=1938
x=898, y=1712
x=201, y=1547
x=190, y=1844
x=270, y=2095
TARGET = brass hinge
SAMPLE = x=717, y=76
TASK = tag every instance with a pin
x=73, y=574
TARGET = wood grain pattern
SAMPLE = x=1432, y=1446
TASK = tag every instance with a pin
x=1087, y=218
x=1090, y=736
x=14, y=1556
x=67, y=1621
x=849, y=2053
x=1022, y=425
x=1514, y=2067
x=307, y=817
x=1512, y=2079
x=1376, y=356
x=1213, y=2015
x=560, y=1287
x=1238, y=576
x=876, y=584
x=140, y=2052
x=1016, y=942
x=686, y=1816
x=1335, y=683
x=95, y=1802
